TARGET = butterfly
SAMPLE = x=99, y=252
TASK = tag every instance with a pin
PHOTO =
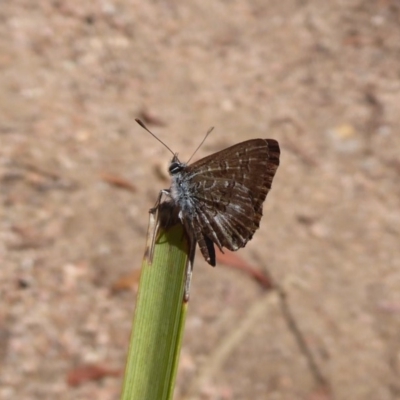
x=220, y=197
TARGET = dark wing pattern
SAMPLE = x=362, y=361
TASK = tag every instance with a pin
x=230, y=188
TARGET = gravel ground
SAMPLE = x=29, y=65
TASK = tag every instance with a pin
x=323, y=78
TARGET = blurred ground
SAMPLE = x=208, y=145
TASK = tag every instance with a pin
x=323, y=78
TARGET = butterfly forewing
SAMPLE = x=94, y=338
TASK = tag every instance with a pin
x=225, y=192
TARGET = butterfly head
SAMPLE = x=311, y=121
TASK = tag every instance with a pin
x=176, y=166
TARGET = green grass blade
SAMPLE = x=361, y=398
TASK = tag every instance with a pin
x=159, y=318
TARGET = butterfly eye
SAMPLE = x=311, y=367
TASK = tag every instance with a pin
x=175, y=167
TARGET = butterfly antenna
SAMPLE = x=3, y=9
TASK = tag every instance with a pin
x=205, y=137
x=152, y=134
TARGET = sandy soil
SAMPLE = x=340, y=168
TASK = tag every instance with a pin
x=323, y=78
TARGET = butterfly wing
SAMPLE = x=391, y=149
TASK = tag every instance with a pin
x=229, y=188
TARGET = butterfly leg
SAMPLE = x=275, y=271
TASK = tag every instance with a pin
x=161, y=216
x=189, y=266
x=158, y=201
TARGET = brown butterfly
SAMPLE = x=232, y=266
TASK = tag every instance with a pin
x=220, y=197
